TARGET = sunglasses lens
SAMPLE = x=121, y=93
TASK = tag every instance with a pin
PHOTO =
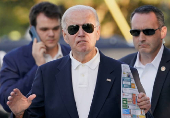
x=135, y=32
x=73, y=29
x=89, y=28
x=149, y=31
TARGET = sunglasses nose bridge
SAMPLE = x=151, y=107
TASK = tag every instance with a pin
x=81, y=31
x=141, y=36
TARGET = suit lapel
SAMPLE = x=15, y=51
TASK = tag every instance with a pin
x=132, y=63
x=64, y=82
x=104, y=83
x=160, y=78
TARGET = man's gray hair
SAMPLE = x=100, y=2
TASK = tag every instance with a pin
x=76, y=8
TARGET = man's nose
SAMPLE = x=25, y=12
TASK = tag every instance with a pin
x=81, y=32
x=142, y=36
x=51, y=33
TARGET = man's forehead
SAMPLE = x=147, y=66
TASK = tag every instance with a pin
x=81, y=12
x=80, y=17
x=149, y=15
x=144, y=19
x=48, y=23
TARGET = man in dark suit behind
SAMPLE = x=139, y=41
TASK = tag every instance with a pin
x=152, y=59
x=84, y=84
x=20, y=65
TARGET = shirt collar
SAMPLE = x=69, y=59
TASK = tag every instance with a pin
x=59, y=54
x=158, y=57
x=93, y=63
x=155, y=62
x=138, y=63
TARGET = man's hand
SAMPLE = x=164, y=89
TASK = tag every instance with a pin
x=38, y=50
x=143, y=102
x=18, y=103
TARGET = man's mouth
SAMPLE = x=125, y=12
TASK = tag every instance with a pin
x=82, y=41
x=50, y=40
x=143, y=45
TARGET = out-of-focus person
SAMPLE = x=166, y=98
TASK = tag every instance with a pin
x=152, y=59
x=20, y=65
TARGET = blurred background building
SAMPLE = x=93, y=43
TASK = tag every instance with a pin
x=114, y=16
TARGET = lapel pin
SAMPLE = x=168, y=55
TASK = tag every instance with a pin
x=163, y=68
x=109, y=80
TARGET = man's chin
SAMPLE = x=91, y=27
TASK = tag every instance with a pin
x=144, y=51
x=51, y=46
x=83, y=49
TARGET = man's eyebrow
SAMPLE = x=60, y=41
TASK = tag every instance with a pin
x=42, y=28
x=56, y=27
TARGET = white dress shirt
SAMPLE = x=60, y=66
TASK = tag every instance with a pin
x=84, y=78
x=148, y=72
x=48, y=57
x=2, y=54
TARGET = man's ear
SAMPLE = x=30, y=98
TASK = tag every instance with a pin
x=65, y=36
x=163, y=32
x=98, y=33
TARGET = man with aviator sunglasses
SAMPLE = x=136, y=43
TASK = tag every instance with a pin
x=152, y=59
x=83, y=84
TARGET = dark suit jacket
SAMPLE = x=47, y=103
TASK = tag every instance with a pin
x=55, y=97
x=18, y=71
x=160, y=101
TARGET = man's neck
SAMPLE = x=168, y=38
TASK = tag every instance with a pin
x=149, y=57
x=52, y=51
x=84, y=57
x=144, y=58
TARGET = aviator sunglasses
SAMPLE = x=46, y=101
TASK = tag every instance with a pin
x=147, y=32
x=73, y=29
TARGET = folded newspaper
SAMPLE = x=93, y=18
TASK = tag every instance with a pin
x=129, y=95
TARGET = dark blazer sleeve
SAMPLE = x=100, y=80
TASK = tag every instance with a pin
x=35, y=110
x=16, y=72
